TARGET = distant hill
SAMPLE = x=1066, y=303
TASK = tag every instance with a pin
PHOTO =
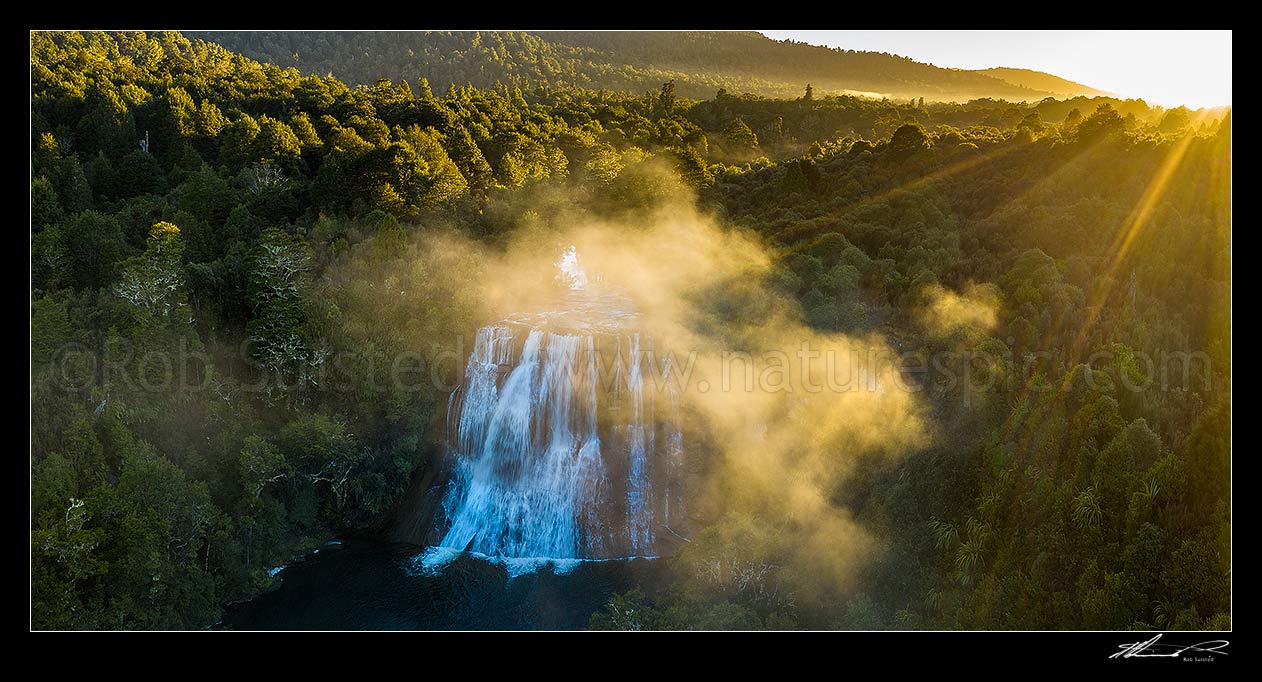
x=700, y=62
x=1037, y=80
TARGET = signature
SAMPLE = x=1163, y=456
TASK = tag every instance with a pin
x=1152, y=649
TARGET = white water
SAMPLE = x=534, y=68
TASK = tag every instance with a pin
x=533, y=483
x=571, y=273
x=639, y=515
x=433, y=560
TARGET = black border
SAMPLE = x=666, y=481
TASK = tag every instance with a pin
x=836, y=653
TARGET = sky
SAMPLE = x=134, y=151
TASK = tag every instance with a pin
x=1169, y=68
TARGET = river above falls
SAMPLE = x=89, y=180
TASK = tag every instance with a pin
x=366, y=585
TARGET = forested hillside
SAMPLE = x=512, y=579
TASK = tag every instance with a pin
x=1038, y=80
x=210, y=312
x=699, y=62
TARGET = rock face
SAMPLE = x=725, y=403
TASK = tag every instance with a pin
x=565, y=440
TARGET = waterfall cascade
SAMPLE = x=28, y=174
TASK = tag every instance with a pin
x=564, y=434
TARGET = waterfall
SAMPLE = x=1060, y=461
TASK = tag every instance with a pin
x=639, y=515
x=554, y=436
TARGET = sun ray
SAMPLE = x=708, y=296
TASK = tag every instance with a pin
x=1124, y=237
x=973, y=161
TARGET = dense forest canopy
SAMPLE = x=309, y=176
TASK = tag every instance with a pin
x=224, y=250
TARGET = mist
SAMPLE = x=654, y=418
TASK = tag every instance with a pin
x=777, y=415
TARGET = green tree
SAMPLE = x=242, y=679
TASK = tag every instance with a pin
x=1175, y=120
x=138, y=173
x=279, y=266
x=739, y=135
x=275, y=141
x=1103, y=123
x=511, y=172
x=206, y=196
x=666, y=99
x=261, y=465
x=152, y=283
x=909, y=139
x=208, y=121
x=390, y=240
x=304, y=131
x=691, y=168
x=237, y=147
x=45, y=208
x=94, y=244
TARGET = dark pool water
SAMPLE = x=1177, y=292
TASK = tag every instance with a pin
x=361, y=585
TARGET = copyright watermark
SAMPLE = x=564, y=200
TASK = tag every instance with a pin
x=808, y=368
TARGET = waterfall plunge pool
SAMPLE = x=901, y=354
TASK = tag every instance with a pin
x=369, y=585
